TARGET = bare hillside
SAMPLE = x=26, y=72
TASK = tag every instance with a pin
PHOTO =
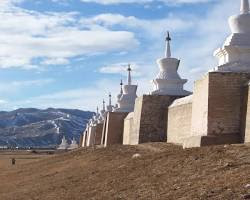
x=158, y=171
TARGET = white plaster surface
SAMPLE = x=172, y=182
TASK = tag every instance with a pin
x=234, y=55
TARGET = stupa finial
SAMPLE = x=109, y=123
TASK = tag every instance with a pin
x=244, y=7
x=129, y=75
x=168, y=48
x=110, y=101
x=121, y=84
x=103, y=105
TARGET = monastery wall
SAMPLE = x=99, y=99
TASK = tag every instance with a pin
x=98, y=134
x=245, y=126
x=226, y=92
x=133, y=134
x=91, y=136
x=128, y=128
x=150, y=119
x=114, y=128
x=81, y=140
x=179, y=120
x=200, y=106
x=218, y=109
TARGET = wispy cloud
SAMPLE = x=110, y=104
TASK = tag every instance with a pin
x=106, y=2
x=54, y=37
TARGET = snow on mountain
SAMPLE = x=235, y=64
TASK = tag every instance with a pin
x=41, y=128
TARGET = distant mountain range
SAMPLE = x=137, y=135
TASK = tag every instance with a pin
x=32, y=127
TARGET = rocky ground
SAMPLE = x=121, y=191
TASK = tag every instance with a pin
x=146, y=172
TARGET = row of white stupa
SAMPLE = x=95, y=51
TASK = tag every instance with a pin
x=65, y=145
x=234, y=56
x=167, y=82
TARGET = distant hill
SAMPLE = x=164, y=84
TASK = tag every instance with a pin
x=32, y=127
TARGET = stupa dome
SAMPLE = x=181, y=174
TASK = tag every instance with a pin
x=241, y=23
x=234, y=55
x=127, y=96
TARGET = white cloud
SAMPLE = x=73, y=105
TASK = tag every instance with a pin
x=55, y=61
x=28, y=35
x=121, y=69
x=86, y=98
x=106, y=2
x=15, y=87
x=154, y=27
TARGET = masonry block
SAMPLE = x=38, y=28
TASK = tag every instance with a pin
x=218, y=107
x=179, y=120
x=113, y=132
x=150, y=119
x=98, y=134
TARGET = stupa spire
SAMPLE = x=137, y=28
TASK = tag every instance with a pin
x=168, y=48
x=244, y=7
x=103, y=105
x=110, y=101
x=121, y=84
x=129, y=75
x=97, y=110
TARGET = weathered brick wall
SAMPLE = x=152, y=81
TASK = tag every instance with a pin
x=98, y=136
x=218, y=108
x=150, y=118
x=226, y=92
x=114, y=128
x=179, y=120
x=245, y=124
x=128, y=128
x=81, y=140
x=134, y=133
x=104, y=130
x=85, y=138
x=200, y=107
x=91, y=136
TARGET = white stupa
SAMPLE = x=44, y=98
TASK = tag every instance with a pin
x=110, y=107
x=73, y=144
x=103, y=113
x=168, y=81
x=234, y=56
x=95, y=118
x=127, y=95
x=119, y=96
x=64, y=144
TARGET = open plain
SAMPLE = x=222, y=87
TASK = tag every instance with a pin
x=146, y=172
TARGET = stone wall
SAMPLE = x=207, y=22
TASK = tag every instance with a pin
x=104, y=130
x=91, y=136
x=128, y=128
x=200, y=107
x=246, y=115
x=179, y=120
x=150, y=119
x=98, y=134
x=114, y=128
x=218, y=109
x=81, y=140
x=226, y=91
x=85, y=138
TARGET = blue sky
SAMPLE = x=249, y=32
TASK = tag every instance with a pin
x=72, y=53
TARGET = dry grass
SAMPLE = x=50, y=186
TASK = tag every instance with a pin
x=22, y=157
x=161, y=172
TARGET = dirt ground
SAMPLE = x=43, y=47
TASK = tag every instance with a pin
x=146, y=172
x=21, y=157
